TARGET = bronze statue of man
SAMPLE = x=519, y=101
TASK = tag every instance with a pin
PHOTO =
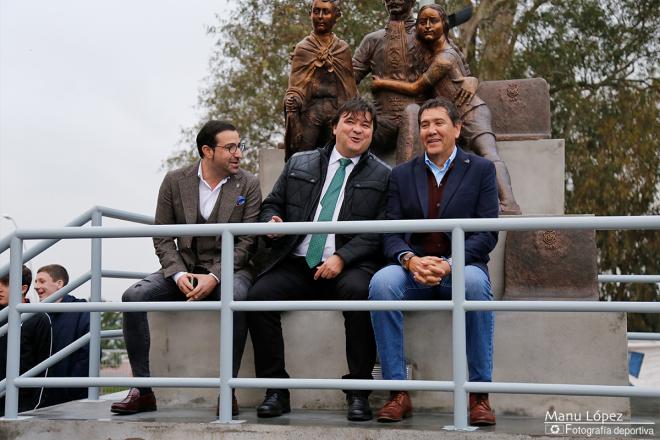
x=386, y=53
x=321, y=80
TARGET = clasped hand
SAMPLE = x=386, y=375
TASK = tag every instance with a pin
x=429, y=270
x=196, y=286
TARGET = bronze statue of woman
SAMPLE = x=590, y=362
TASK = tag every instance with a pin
x=448, y=76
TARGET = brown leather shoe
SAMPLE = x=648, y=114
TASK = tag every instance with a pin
x=397, y=408
x=234, y=406
x=480, y=412
x=135, y=403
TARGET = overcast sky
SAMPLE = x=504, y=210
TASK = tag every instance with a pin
x=93, y=95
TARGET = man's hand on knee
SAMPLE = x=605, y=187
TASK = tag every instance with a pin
x=330, y=268
x=204, y=286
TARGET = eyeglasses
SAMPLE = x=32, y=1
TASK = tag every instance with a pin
x=232, y=148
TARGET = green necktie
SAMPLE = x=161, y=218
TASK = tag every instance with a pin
x=328, y=203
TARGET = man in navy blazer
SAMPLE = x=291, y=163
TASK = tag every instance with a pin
x=443, y=183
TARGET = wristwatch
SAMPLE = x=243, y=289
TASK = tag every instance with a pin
x=405, y=259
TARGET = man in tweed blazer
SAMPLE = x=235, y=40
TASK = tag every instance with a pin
x=213, y=190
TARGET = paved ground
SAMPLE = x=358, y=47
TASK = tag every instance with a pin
x=90, y=420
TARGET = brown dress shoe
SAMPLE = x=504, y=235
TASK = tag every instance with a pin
x=480, y=412
x=234, y=406
x=397, y=408
x=135, y=403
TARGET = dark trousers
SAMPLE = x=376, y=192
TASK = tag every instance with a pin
x=156, y=287
x=292, y=279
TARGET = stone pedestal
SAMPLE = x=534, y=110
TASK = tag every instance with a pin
x=536, y=347
x=537, y=177
x=551, y=265
x=520, y=108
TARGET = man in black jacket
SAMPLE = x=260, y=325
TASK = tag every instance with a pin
x=36, y=343
x=340, y=182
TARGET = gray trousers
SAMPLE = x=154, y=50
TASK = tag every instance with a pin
x=156, y=287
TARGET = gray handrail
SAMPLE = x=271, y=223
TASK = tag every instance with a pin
x=350, y=227
x=124, y=274
x=61, y=354
x=35, y=250
x=125, y=215
x=643, y=336
x=458, y=305
x=629, y=278
x=82, y=219
x=361, y=305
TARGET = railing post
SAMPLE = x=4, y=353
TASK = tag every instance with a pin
x=458, y=328
x=95, y=317
x=226, y=324
x=14, y=334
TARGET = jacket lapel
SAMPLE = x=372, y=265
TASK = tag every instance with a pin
x=460, y=166
x=229, y=197
x=421, y=185
x=189, y=187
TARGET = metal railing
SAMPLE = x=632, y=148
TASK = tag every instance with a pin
x=457, y=305
x=94, y=216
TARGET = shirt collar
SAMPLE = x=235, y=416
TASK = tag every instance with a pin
x=201, y=178
x=445, y=167
x=335, y=156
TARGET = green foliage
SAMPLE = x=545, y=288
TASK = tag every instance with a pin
x=112, y=359
x=600, y=58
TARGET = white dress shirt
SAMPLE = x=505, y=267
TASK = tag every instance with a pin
x=207, y=199
x=333, y=166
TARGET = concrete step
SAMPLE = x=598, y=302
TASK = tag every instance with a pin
x=93, y=420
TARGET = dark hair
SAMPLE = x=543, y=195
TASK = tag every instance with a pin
x=206, y=135
x=353, y=107
x=335, y=3
x=440, y=103
x=26, y=277
x=56, y=272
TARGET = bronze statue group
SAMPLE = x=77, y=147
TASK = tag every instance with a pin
x=335, y=142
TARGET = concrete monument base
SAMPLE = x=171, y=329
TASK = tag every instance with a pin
x=535, y=347
x=564, y=348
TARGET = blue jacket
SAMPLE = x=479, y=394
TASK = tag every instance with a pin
x=470, y=192
x=68, y=327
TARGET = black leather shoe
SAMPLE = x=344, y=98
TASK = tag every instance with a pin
x=275, y=404
x=358, y=408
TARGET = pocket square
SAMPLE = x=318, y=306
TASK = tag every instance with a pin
x=240, y=200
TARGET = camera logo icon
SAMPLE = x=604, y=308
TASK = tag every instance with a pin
x=554, y=429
